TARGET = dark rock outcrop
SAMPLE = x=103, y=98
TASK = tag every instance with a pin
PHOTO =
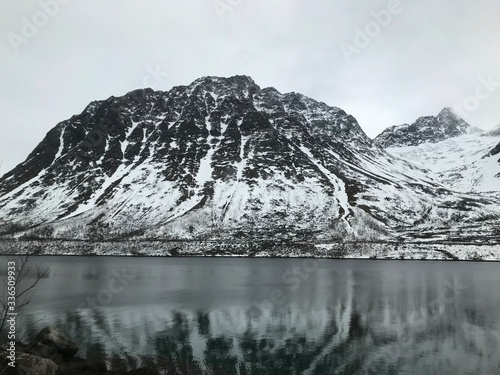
x=494, y=151
x=54, y=341
x=54, y=353
x=28, y=364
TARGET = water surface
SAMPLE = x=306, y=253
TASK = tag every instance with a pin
x=275, y=316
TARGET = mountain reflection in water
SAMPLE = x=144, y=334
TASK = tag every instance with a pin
x=215, y=316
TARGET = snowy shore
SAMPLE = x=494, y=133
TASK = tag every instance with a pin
x=338, y=250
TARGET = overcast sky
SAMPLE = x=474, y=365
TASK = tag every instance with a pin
x=413, y=59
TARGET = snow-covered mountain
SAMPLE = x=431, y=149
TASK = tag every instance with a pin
x=224, y=158
x=426, y=129
x=457, y=155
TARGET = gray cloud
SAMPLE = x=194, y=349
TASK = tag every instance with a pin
x=428, y=56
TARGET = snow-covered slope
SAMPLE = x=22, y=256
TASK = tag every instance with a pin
x=494, y=132
x=223, y=158
x=465, y=161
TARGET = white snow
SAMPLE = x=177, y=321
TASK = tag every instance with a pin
x=125, y=143
x=61, y=145
x=341, y=194
x=205, y=171
x=458, y=162
x=91, y=203
x=243, y=161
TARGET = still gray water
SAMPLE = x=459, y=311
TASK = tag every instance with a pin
x=275, y=316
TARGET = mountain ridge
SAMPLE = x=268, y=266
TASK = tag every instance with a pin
x=224, y=158
x=425, y=129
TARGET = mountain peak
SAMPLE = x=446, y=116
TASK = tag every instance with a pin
x=237, y=81
x=221, y=158
x=448, y=116
x=426, y=129
x=219, y=149
x=447, y=112
x=235, y=78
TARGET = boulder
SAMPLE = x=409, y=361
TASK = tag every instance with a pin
x=46, y=350
x=77, y=366
x=52, y=337
x=97, y=366
x=144, y=371
x=27, y=364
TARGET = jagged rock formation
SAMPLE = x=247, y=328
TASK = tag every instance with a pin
x=494, y=151
x=224, y=158
x=426, y=129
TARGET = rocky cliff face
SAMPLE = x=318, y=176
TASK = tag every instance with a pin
x=223, y=158
x=494, y=151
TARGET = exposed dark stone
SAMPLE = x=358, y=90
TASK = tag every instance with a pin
x=45, y=358
x=143, y=371
x=50, y=336
x=495, y=150
x=28, y=364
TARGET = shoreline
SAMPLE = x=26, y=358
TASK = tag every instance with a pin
x=258, y=249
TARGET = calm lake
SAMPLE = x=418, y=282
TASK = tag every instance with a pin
x=274, y=316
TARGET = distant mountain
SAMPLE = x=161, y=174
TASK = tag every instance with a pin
x=427, y=129
x=223, y=158
x=494, y=132
x=457, y=155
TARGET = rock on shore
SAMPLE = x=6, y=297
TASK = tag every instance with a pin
x=54, y=353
